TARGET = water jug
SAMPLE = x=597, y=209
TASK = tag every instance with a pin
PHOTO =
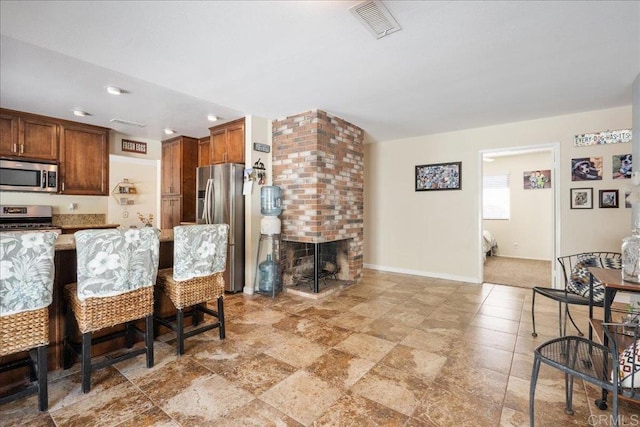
x=270, y=200
x=631, y=257
x=269, y=275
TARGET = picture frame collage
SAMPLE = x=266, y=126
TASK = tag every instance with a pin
x=592, y=169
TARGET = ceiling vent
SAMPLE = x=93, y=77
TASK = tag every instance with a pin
x=127, y=122
x=376, y=18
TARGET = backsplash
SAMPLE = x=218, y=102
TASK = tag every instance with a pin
x=79, y=219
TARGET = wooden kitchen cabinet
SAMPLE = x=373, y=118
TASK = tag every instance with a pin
x=204, y=152
x=171, y=212
x=84, y=160
x=227, y=143
x=178, y=186
x=28, y=136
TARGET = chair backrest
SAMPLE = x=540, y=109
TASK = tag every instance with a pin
x=199, y=250
x=26, y=271
x=576, y=274
x=114, y=261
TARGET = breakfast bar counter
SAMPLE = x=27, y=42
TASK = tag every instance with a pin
x=65, y=273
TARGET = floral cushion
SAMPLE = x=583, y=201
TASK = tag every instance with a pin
x=630, y=366
x=26, y=271
x=199, y=250
x=581, y=278
x=115, y=261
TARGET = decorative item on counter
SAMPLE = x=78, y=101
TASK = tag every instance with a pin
x=631, y=256
x=146, y=220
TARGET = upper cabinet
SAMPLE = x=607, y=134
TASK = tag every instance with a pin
x=81, y=150
x=204, y=151
x=227, y=142
x=84, y=160
x=28, y=136
x=178, y=186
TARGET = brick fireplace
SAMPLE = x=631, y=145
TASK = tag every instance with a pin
x=318, y=161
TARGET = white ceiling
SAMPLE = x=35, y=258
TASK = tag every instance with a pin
x=454, y=64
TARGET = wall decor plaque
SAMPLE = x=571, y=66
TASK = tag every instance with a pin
x=605, y=137
x=134, y=146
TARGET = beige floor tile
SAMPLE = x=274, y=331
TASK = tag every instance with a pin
x=420, y=363
x=339, y=368
x=302, y=396
x=353, y=410
x=259, y=414
x=496, y=339
x=394, y=388
x=365, y=346
x=297, y=351
x=443, y=406
x=258, y=374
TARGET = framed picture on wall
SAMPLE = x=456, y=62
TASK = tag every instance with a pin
x=537, y=179
x=608, y=198
x=439, y=176
x=581, y=198
x=622, y=166
x=586, y=169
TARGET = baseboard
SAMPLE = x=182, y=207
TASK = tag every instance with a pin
x=519, y=257
x=422, y=273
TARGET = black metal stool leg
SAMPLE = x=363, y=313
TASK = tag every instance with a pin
x=86, y=362
x=568, y=387
x=532, y=389
x=533, y=314
x=148, y=337
x=221, y=317
x=43, y=390
x=180, y=331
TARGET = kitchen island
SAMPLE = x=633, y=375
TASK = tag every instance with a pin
x=65, y=273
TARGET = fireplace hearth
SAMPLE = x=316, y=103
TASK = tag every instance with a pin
x=313, y=264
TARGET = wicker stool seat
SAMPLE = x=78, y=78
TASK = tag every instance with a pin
x=26, y=291
x=200, y=254
x=116, y=273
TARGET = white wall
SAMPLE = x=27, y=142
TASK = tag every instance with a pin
x=143, y=174
x=529, y=231
x=257, y=129
x=436, y=233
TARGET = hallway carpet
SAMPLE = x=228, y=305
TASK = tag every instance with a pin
x=523, y=273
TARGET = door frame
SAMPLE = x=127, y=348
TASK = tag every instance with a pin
x=554, y=148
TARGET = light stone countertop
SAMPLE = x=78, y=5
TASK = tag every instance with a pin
x=66, y=242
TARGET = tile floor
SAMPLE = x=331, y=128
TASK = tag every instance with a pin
x=393, y=350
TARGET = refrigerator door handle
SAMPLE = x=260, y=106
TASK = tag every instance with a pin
x=206, y=212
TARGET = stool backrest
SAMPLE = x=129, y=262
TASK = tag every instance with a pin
x=26, y=271
x=199, y=250
x=114, y=261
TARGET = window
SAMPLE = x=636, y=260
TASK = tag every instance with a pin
x=496, y=197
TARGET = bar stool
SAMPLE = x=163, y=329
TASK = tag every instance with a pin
x=199, y=261
x=26, y=291
x=116, y=273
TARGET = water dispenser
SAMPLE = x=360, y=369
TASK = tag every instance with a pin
x=270, y=200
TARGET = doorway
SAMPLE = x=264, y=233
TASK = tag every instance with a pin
x=529, y=230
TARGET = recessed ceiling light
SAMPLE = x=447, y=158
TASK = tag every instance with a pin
x=80, y=113
x=114, y=90
x=168, y=131
x=212, y=118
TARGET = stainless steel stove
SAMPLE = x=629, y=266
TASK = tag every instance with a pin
x=27, y=218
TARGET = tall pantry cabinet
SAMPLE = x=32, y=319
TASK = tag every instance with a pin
x=178, y=183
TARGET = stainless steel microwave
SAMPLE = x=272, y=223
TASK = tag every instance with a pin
x=17, y=175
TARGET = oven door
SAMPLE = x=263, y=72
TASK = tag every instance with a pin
x=27, y=176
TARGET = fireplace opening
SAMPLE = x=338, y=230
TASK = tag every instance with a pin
x=316, y=265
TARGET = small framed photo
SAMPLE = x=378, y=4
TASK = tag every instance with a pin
x=537, y=179
x=627, y=199
x=608, y=198
x=622, y=166
x=586, y=169
x=439, y=176
x=581, y=198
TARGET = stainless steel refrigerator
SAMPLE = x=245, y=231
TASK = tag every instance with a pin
x=219, y=200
